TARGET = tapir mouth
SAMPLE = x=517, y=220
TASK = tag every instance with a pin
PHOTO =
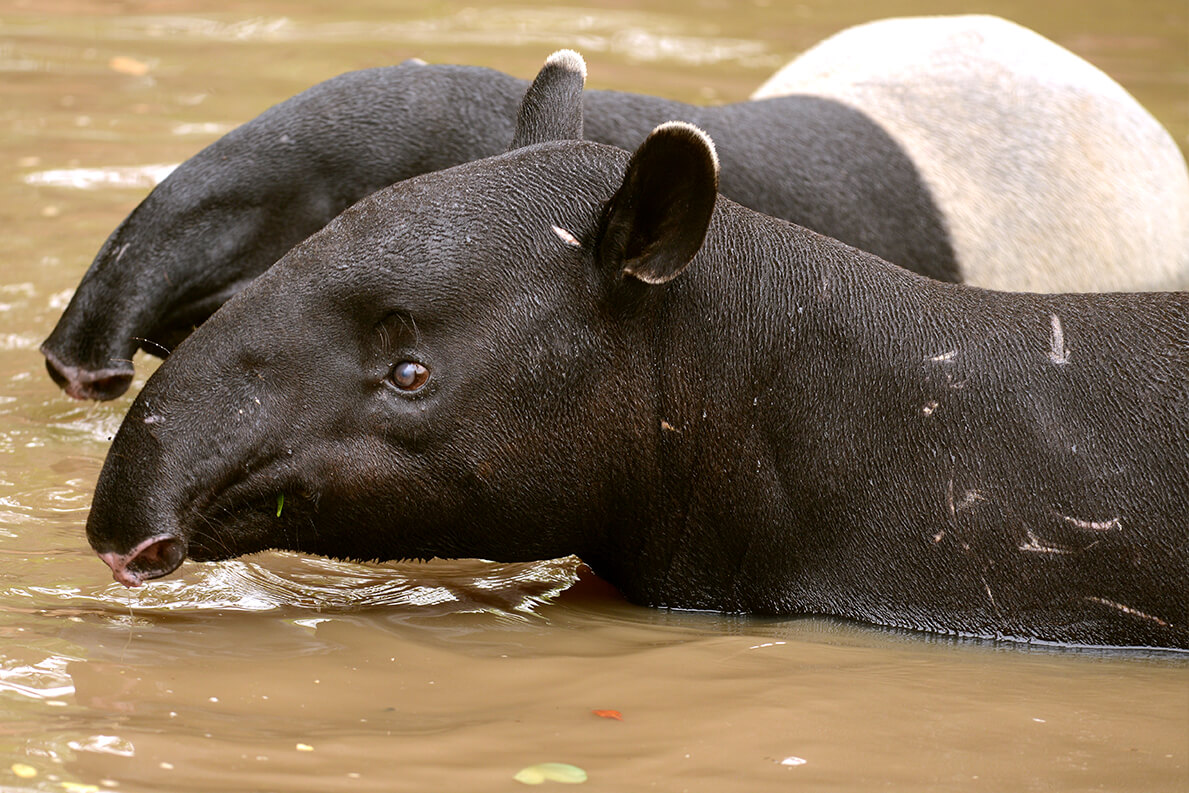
x=245, y=512
x=154, y=558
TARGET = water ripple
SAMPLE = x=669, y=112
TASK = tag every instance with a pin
x=140, y=177
x=44, y=680
x=293, y=581
x=636, y=35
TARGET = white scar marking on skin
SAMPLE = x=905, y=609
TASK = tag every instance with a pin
x=1034, y=546
x=1127, y=610
x=969, y=499
x=567, y=237
x=928, y=408
x=1095, y=525
x=1059, y=354
x=154, y=420
x=944, y=357
x=120, y=253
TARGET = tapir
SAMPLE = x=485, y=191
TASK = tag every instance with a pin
x=818, y=158
x=570, y=349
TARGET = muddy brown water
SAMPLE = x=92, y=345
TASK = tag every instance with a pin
x=287, y=673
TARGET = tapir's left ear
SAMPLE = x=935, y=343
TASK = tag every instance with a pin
x=657, y=220
x=552, y=106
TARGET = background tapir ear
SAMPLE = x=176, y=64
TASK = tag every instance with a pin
x=552, y=107
x=657, y=220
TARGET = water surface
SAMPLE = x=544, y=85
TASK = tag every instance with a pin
x=287, y=673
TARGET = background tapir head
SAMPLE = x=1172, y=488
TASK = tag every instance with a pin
x=457, y=366
x=233, y=209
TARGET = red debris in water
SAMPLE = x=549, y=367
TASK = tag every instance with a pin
x=608, y=714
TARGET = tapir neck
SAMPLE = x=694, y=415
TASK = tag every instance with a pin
x=835, y=435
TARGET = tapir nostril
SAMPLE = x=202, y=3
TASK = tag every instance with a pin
x=80, y=383
x=155, y=557
x=56, y=374
x=103, y=387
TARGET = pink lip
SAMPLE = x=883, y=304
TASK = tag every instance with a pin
x=152, y=558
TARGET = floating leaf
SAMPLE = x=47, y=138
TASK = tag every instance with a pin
x=608, y=714
x=280, y=503
x=125, y=65
x=550, y=772
x=79, y=787
x=24, y=771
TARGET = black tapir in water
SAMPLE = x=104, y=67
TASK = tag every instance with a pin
x=229, y=212
x=567, y=349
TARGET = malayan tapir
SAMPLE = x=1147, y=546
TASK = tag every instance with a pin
x=820, y=159
x=567, y=349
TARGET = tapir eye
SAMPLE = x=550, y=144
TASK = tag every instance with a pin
x=409, y=375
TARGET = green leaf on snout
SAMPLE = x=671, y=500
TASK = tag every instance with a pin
x=280, y=503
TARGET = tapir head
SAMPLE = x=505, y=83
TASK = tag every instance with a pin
x=457, y=366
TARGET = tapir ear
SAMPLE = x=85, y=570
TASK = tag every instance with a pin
x=657, y=220
x=552, y=107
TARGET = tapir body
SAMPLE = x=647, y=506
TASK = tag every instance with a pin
x=819, y=158
x=567, y=350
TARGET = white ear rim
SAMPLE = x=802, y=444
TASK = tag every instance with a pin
x=692, y=131
x=569, y=60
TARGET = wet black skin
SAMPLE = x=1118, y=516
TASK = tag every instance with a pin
x=713, y=408
x=233, y=209
x=559, y=351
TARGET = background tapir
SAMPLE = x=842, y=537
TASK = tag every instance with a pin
x=820, y=159
x=562, y=350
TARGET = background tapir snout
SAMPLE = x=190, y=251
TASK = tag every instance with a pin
x=81, y=382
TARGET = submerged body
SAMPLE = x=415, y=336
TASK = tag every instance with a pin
x=558, y=350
